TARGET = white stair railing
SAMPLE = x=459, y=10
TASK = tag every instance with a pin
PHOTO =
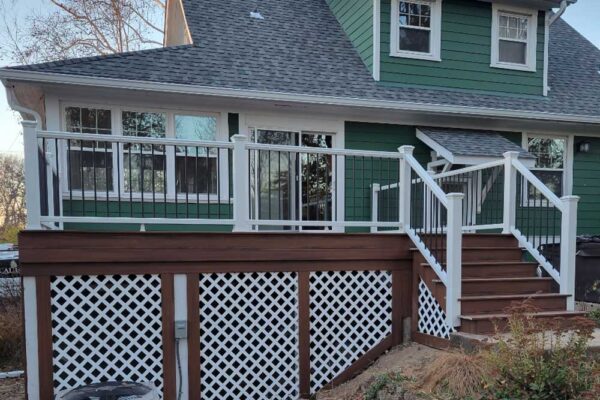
x=433, y=221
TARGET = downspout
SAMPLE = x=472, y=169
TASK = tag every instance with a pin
x=561, y=10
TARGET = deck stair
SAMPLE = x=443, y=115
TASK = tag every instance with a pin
x=494, y=278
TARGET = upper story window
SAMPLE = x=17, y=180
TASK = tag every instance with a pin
x=416, y=29
x=514, y=38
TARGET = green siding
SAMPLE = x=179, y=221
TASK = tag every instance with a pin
x=356, y=18
x=586, y=184
x=362, y=173
x=466, y=54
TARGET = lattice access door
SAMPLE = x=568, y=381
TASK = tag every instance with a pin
x=106, y=328
x=350, y=313
x=432, y=318
x=249, y=336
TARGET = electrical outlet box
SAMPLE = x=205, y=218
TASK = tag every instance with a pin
x=180, y=329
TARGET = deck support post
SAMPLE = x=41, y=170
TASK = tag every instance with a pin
x=181, y=314
x=32, y=175
x=510, y=192
x=31, y=338
x=374, y=205
x=241, y=184
x=454, y=258
x=405, y=187
x=568, y=248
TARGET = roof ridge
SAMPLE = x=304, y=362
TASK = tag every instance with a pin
x=71, y=61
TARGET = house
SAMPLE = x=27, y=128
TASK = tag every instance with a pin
x=288, y=189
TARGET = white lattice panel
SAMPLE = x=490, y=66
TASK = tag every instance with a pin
x=106, y=328
x=432, y=318
x=249, y=336
x=350, y=313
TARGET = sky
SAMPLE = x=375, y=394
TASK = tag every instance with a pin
x=583, y=16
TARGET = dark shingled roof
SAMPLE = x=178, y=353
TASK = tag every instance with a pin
x=301, y=49
x=466, y=142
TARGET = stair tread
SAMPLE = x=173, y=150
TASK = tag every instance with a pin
x=492, y=263
x=514, y=296
x=518, y=279
x=482, y=248
x=481, y=317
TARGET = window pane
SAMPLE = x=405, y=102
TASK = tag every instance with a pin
x=513, y=27
x=414, y=40
x=552, y=179
x=414, y=14
x=89, y=170
x=512, y=52
x=144, y=172
x=144, y=124
x=196, y=174
x=549, y=152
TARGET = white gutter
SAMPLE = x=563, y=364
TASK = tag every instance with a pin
x=15, y=105
x=44, y=77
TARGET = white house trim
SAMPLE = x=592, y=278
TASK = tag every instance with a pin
x=435, y=38
x=376, y=39
x=292, y=97
x=546, y=53
x=531, y=54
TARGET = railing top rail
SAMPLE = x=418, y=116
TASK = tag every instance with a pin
x=326, y=151
x=533, y=180
x=472, y=168
x=132, y=139
x=428, y=180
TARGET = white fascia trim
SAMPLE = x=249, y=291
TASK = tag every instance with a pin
x=44, y=77
x=438, y=148
x=376, y=39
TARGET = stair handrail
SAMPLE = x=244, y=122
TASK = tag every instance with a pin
x=567, y=205
x=452, y=202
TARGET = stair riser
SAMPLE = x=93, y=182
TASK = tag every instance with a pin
x=489, y=241
x=489, y=326
x=505, y=288
x=497, y=306
x=474, y=255
x=501, y=271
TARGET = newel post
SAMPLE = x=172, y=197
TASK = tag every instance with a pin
x=405, y=186
x=510, y=191
x=32, y=175
x=568, y=248
x=454, y=258
x=375, y=188
x=241, y=185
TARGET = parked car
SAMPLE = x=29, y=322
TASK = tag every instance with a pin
x=9, y=260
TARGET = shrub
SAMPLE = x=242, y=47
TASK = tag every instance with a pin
x=11, y=336
x=455, y=376
x=388, y=386
x=541, y=359
x=594, y=315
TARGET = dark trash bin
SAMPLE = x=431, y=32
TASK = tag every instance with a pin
x=587, y=266
x=111, y=391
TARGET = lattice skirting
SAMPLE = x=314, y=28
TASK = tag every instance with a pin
x=106, y=328
x=249, y=336
x=350, y=313
x=432, y=318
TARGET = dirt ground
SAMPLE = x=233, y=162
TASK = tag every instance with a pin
x=12, y=389
x=408, y=360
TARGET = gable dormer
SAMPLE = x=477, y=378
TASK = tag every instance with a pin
x=480, y=45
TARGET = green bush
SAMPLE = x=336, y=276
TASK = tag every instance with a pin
x=594, y=315
x=542, y=359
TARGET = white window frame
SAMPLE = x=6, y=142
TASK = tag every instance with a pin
x=435, y=29
x=532, y=26
x=567, y=169
x=117, y=130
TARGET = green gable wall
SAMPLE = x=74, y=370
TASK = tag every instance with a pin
x=586, y=184
x=466, y=54
x=356, y=18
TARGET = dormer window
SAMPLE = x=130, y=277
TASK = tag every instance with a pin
x=514, y=37
x=416, y=29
